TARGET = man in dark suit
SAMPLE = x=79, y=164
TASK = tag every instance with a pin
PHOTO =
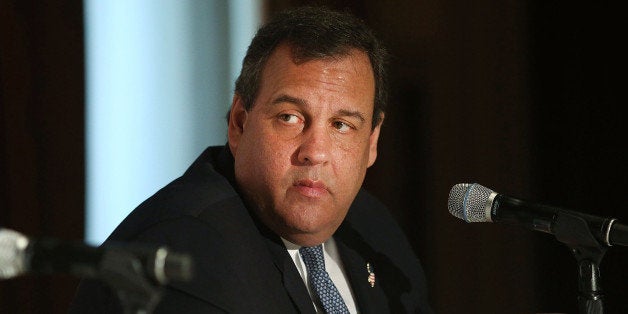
x=276, y=220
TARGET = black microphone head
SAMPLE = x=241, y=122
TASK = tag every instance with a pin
x=470, y=202
x=12, y=253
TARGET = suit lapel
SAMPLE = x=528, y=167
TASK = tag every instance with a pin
x=370, y=299
x=291, y=279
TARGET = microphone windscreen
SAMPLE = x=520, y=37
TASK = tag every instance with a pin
x=468, y=201
x=12, y=256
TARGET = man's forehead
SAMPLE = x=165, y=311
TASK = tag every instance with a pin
x=351, y=71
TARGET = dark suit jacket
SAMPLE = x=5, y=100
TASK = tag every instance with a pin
x=242, y=267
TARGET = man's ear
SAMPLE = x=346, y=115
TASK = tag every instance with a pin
x=373, y=140
x=237, y=122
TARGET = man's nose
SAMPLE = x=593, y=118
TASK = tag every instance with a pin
x=315, y=147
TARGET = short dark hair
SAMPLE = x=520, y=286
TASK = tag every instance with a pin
x=313, y=33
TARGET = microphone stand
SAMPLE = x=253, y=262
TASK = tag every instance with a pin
x=575, y=232
x=125, y=273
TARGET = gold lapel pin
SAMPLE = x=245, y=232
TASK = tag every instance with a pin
x=371, y=278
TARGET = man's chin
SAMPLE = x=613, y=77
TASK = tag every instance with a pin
x=307, y=239
x=310, y=234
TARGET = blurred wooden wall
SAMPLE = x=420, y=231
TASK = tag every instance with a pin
x=524, y=97
x=41, y=138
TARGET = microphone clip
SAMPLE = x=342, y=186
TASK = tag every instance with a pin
x=125, y=273
x=575, y=233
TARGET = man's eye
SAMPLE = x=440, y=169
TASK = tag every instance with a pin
x=341, y=126
x=289, y=118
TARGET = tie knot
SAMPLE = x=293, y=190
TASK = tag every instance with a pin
x=313, y=256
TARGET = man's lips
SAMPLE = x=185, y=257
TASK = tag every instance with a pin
x=310, y=188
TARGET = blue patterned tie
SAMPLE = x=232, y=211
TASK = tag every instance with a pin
x=328, y=295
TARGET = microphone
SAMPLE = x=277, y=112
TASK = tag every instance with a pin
x=20, y=255
x=472, y=202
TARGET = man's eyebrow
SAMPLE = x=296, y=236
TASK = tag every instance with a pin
x=352, y=113
x=302, y=102
x=286, y=98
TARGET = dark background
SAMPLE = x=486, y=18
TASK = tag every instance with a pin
x=523, y=97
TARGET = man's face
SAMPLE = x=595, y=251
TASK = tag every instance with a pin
x=302, y=150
